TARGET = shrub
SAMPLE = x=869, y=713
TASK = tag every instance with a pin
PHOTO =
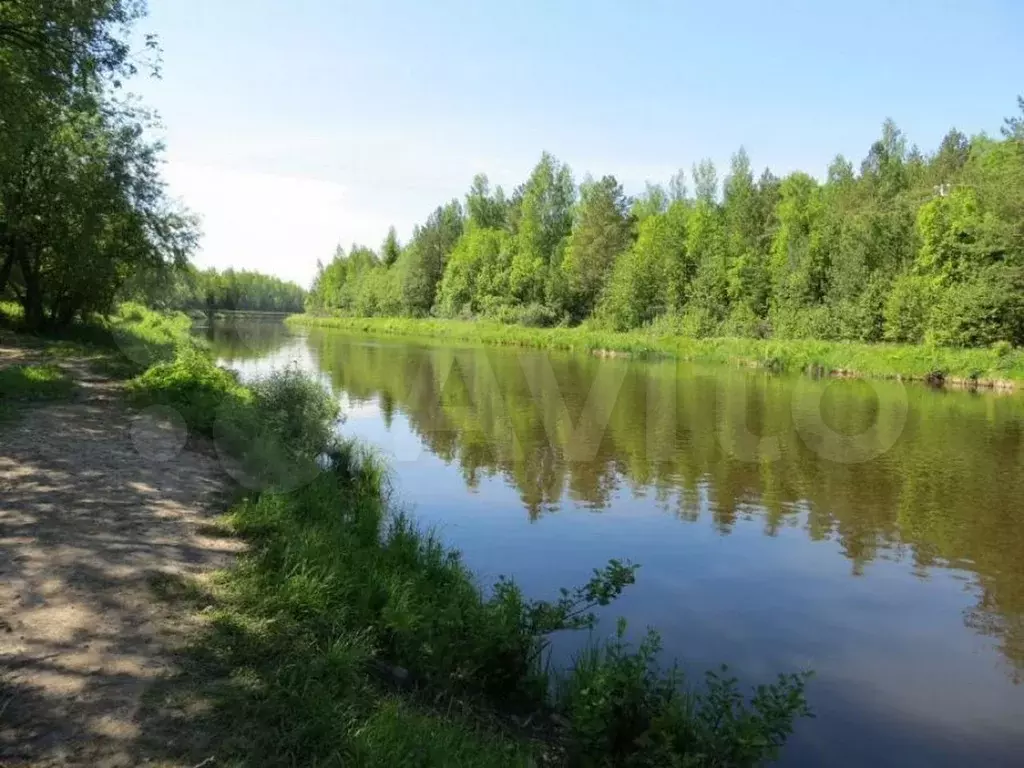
x=980, y=311
x=300, y=411
x=276, y=429
x=192, y=385
x=744, y=323
x=146, y=337
x=1002, y=348
x=862, y=318
x=698, y=323
x=532, y=315
x=907, y=308
x=624, y=710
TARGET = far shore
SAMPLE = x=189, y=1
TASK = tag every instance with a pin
x=994, y=368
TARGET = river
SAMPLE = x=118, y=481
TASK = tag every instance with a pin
x=870, y=531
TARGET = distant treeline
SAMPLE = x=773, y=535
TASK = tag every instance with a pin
x=210, y=290
x=912, y=247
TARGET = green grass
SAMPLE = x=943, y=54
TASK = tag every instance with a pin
x=996, y=366
x=283, y=666
x=20, y=384
x=10, y=313
x=121, y=345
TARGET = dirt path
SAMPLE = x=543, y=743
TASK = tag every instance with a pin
x=98, y=504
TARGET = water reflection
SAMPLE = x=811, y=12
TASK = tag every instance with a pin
x=873, y=559
x=947, y=493
x=247, y=339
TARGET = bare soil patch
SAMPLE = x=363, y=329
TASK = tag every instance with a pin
x=98, y=505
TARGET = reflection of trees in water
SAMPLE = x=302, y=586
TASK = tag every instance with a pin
x=947, y=494
x=246, y=338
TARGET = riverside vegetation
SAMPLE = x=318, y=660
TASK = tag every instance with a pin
x=1001, y=365
x=347, y=635
x=914, y=249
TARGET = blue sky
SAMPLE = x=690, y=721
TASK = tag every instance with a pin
x=295, y=125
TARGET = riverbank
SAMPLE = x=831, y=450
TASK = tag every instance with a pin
x=344, y=634
x=996, y=368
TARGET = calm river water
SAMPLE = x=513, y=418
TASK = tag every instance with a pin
x=872, y=532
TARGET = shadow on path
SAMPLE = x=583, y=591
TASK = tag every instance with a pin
x=98, y=505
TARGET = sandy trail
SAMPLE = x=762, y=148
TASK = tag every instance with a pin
x=97, y=504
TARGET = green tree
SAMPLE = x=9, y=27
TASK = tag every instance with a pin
x=798, y=262
x=653, y=201
x=705, y=181
x=638, y=292
x=601, y=231
x=476, y=280
x=425, y=257
x=390, y=249
x=677, y=190
x=544, y=221
x=484, y=209
x=746, y=219
x=82, y=206
x=910, y=246
x=1014, y=126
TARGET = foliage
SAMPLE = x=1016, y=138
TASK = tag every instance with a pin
x=476, y=280
x=424, y=259
x=192, y=385
x=910, y=248
x=210, y=290
x=645, y=279
x=985, y=309
x=82, y=205
x=543, y=216
x=907, y=308
x=391, y=249
x=601, y=233
x=625, y=711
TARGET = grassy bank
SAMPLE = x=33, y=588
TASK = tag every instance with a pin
x=122, y=345
x=999, y=366
x=346, y=635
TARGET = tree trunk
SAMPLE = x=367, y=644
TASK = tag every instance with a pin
x=65, y=314
x=5, y=271
x=32, y=300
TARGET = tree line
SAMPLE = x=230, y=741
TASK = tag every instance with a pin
x=909, y=247
x=83, y=209
x=211, y=290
